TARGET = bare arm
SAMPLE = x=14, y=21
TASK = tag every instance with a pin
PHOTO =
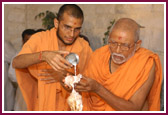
x=53, y=58
x=135, y=103
x=25, y=60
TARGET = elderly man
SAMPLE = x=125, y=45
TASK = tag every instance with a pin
x=122, y=76
x=45, y=52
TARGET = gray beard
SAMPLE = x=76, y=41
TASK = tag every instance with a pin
x=124, y=59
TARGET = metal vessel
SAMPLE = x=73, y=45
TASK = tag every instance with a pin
x=72, y=58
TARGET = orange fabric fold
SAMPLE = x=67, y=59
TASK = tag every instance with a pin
x=125, y=81
x=38, y=95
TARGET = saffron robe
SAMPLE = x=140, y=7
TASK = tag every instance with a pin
x=125, y=81
x=38, y=95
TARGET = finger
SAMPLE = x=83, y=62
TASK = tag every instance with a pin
x=52, y=65
x=45, y=79
x=55, y=63
x=58, y=63
x=69, y=89
x=63, y=80
x=58, y=67
x=55, y=66
x=69, y=74
x=63, y=60
x=63, y=52
x=79, y=86
x=44, y=74
x=83, y=83
x=52, y=81
x=47, y=70
x=80, y=89
x=85, y=78
x=62, y=65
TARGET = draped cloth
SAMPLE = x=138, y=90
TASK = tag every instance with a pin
x=38, y=95
x=125, y=81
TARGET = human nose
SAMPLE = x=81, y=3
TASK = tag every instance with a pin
x=118, y=49
x=71, y=32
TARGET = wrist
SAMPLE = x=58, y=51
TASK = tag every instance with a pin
x=98, y=87
x=42, y=56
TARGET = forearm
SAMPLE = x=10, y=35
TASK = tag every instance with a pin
x=116, y=102
x=26, y=60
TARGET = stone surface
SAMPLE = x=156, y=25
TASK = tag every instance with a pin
x=17, y=15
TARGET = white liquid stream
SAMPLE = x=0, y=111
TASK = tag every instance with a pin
x=75, y=69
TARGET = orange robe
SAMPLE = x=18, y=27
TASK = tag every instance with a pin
x=38, y=95
x=125, y=81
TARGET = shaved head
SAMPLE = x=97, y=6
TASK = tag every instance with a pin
x=127, y=25
x=72, y=10
x=124, y=40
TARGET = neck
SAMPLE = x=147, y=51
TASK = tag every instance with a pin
x=114, y=66
x=61, y=45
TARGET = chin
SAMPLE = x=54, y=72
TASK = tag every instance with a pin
x=119, y=62
x=68, y=43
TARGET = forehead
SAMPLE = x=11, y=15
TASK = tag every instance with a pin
x=70, y=20
x=123, y=36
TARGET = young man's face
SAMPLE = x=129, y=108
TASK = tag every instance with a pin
x=69, y=29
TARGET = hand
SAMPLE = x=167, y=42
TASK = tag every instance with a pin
x=87, y=84
x=52, y=76
x=66, y=87
x=56, y=60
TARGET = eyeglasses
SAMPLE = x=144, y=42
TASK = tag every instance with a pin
x=124, y=47
x=68, y=28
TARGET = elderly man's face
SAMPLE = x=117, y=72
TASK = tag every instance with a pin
x=69, y=29
x=122, y=45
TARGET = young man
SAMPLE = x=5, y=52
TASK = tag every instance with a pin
x=42, y=57
x=122, y=76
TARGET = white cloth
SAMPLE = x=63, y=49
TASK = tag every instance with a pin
x=11, y=71
x=20, y=104
x=9, y=90
x=75, y=99
x=9, y=51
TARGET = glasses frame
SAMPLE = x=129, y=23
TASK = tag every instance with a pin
x=111, y=43
x=68, y=28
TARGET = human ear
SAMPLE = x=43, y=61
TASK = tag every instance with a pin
x=138, y=44
x=55, y=23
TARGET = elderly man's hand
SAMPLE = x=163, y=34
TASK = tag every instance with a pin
x=66, y=87
x=87, y=84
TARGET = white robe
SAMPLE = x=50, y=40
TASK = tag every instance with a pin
x=20, y=104
x=9, y=90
